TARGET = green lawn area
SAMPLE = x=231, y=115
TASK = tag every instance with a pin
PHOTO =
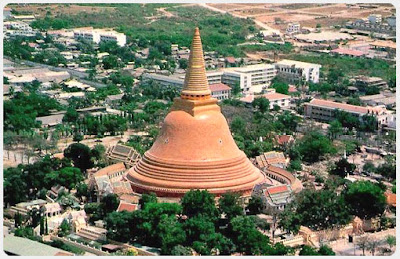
x=220, y=32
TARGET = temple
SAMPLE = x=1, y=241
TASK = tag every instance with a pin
x=195, y=148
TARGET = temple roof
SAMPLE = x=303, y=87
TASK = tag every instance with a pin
x=196, y=84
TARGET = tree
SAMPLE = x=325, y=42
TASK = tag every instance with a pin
x=369, y=167
x=42, y=230
x=255, y=205
x=391, y=241
x=109, y=203
x=181, y=250
x=198, y=228
x=15, y=186
x=68, y=177
x=238, y=126
x=199, y=202
x=246, y=237
x=315, y=209
x=147, y=198
x=26, y=232
x=261, y=104
x=372, y=245
x=365, y=199
x=342, y=168
x=17, y=220
x=220, y=244
x=313, y=146
x=82, y=190
x=388, y=169
x=281, y=87
x=236, y=89
x=71, y=115
x=171, y=233
x=362, y=243
x=111, y=62
x=64, y=228
x=326, y=250
x=77, y=137
x=229, y=204
x=308, y=250
x=80, y=155
x=335, y=128
x=183, y=63
x=117, y=225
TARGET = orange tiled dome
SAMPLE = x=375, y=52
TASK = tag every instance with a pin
x=195, y=148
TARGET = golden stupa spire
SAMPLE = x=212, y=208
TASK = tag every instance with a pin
x=196, y=84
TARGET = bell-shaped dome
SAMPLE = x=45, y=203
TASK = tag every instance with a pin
x=195, y=148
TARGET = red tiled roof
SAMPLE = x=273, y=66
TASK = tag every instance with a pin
x=230, y=59
x=219, y=87
x=126, y=206
x=391, y=198
x=283, y=139
x=277, y=189
x=129, y=198
x=247, y=99
x=348, y=52
x=342, y=106
x=111, y=169
x=276, y=96
x=292, y=89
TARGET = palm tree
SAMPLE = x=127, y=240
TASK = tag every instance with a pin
x=391, y=241
x=372, y=246
x=362, y=243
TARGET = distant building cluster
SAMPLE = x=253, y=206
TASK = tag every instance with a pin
x=375, y=23
x=251, y=78
x=100, y=35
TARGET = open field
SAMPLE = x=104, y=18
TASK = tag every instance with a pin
x=41, y=10
x=308, y=15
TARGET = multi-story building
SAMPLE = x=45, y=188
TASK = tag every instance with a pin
x=281, y=100
x=6, y=13
x=220, y=91
x=391, y=20
x=324, y=110
x=214, y=77
x=293, y=27
x=18, y=28
x=98, y=35
x=293, y=71
x=386, y=99
x=374, y=24
x=364, y=82
x=252, y=78
x=375, y=18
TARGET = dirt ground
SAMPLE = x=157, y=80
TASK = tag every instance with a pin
x=308, y=15
x=55, y=9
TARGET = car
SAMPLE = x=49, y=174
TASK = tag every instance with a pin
x=98, y=140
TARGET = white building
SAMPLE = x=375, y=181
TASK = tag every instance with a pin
x=391, y=20
x=98, y=35
x=293, y=71
x=18, y=28
x=252, y=78
x=324, y=110
x=220, y=91
x=293, y=27
x=281, y=100
x=375, y=18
